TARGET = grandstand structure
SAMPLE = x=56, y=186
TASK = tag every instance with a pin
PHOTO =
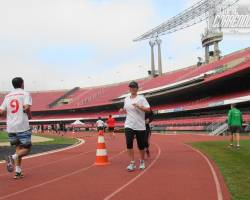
x=192, y=98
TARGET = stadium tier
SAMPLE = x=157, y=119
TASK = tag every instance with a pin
x=181, y=97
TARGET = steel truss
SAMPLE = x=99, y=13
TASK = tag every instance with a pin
x=197, y=13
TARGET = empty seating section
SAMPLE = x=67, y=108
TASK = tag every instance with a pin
x=199, y=70
x=190, y=121
x=94, y=96
x=74, y=99
x=41, y=100
x=201, y=103
x=94, y=115
x=168, y=78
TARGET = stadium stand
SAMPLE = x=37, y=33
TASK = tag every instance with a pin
x=192, y=98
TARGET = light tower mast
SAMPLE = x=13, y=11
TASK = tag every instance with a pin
x=197, y=13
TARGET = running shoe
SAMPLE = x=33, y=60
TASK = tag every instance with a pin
x=9, y=163
x=18, y=175
x=131, y=166
x=142, y=165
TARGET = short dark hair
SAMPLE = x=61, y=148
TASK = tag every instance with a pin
x=17, y=82
x=133, y=84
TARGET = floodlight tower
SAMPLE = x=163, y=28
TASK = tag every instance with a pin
x=212, y=36
x=158, y=42
x=152, y=44
x=195, y=14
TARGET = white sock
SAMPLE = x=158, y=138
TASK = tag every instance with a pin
x=18, y=169
x=15, y=156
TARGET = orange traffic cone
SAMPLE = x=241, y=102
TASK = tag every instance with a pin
x=101, y=151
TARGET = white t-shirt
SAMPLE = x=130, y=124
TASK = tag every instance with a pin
x=17, y=120
x=135, y=118
x=100, y=123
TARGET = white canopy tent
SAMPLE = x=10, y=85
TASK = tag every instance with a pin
x=77, y=123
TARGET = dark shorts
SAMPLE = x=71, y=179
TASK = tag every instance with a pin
x=235, y=129
x=111, y=129
x=22, y=139
x=100, y=128
x=140, y=138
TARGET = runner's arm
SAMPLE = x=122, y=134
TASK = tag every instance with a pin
x=26, y=109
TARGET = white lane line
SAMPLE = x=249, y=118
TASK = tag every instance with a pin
x=55, y=179
x=52, y=162
x=136, y=177
x=81, y=141
x=215, y=177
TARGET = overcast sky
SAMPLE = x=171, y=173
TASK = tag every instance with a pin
x=58, y=44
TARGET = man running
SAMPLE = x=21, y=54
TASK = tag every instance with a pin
x=17, y=105
x=100, y=124
x=111, y=126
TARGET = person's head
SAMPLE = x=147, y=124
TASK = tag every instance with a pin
x=99, y=118
x=110, y=116
x=133, y=87
x=233, y=105
x=17, y=82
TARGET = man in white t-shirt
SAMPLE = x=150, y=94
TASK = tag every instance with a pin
x=135, y=106
x=17, y=106
x=100, y=124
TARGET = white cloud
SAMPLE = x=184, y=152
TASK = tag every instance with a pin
x=109, y=25
x=30, y=25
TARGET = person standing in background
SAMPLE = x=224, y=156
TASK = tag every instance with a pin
x=234, y=121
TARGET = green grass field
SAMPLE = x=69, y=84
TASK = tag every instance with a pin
x=58, y=142
x=56, y=139
x=3, y=137
x=233, y=163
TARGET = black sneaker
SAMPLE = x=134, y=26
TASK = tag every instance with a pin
x=9, y=163
x=18, y=175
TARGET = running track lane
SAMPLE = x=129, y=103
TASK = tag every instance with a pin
x=175, y=171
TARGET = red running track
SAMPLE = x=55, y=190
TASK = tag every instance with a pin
x=174, y=172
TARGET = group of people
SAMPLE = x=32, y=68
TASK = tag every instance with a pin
x=58, y=128
x=110, y=124
x=17, y=105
